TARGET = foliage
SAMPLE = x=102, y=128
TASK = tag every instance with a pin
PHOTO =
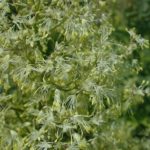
x=135, y=14
x=138, y=14
x=65, y=81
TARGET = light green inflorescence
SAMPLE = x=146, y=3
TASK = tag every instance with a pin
x=64, y=81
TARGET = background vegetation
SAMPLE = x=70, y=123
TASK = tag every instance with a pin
x=74, y=74
x=135, y=14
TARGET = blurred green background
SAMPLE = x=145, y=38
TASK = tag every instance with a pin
x=135, y=14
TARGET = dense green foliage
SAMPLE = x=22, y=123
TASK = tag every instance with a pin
x=67, y=82
x=136, y=14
